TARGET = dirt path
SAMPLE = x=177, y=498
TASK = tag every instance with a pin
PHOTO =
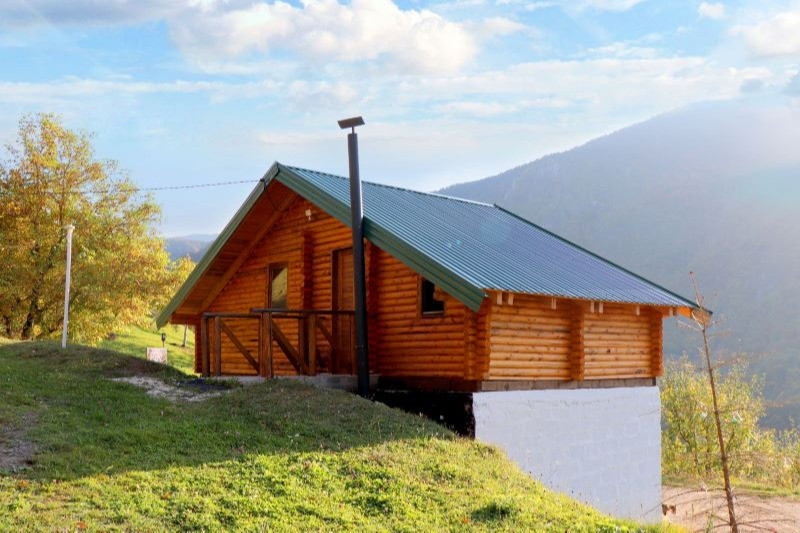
x=696, y=508
x=16, y=451
x=158, y=389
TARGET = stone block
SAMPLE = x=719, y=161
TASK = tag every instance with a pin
x=158, y=355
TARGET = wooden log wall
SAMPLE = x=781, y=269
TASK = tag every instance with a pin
x=306, y=247
x=517, y=337
x=529, y=339
x=410, y=344
x=618, y=343
x=544, y=338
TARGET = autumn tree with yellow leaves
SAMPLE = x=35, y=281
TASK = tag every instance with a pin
x=121, y=272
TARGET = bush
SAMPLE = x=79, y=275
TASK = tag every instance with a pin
x=689, y=439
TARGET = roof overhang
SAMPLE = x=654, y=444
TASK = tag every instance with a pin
x=220, y=256
x=279, y=186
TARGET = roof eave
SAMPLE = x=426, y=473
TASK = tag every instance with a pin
x=215, y=247
x=685, y=301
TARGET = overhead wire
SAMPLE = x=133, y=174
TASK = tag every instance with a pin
x=153, y=189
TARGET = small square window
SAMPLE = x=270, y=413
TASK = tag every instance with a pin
x=429, y=305
x=278, y=287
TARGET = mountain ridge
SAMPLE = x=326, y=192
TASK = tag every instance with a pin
x=193, y=246
x=713, y=189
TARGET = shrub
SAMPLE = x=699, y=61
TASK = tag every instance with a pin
x=689, y=440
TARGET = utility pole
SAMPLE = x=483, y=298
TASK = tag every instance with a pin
x=359, y=275
x=70, y=228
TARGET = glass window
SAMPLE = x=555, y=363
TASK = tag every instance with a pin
x=429, y=304
x=278, y=287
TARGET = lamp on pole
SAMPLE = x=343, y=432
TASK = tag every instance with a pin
x=360, y=285
x=70, y=228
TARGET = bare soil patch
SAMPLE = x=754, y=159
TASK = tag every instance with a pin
x=16, y=451
x=697, y=509
x=158, y=389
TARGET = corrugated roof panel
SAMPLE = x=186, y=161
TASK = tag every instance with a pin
x=491, y=248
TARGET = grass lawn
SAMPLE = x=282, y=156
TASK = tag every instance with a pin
x=278, y=455
x=135, y=341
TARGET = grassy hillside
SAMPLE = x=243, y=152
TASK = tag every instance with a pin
x=135, y=340
x=278, y=455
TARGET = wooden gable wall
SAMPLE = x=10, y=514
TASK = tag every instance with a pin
x=401, y=341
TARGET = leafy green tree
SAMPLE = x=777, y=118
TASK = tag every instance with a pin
x=690, y=437
x=689, y=440
x=121, y=272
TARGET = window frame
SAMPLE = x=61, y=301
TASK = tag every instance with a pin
x=421, y=313
x=270, y=278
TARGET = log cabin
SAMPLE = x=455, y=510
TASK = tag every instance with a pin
x=551, y=351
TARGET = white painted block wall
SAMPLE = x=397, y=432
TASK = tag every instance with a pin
x=600, y=446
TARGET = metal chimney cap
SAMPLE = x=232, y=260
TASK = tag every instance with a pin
x=351, y=122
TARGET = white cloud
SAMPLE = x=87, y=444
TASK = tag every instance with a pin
x=534, y=6
x=711, y=10
x=214, y=32
x=623, y=50
x=777, y=35
x=573, y=5
x=85, y=12
x=652, y=83
x=490, y=109
x=324, y=31
x=502, y=26
x=56, y=92
x=606, y=5
x=305, y=95
x=751, y=86
x=793, y=87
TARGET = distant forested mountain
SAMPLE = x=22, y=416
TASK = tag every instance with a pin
x=192, y=245
x=713, y=188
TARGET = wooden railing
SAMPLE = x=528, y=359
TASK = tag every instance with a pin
x=336, y=328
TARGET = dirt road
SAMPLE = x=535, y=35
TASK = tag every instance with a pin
x=696, y=509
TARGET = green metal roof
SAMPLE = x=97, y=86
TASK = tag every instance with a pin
x=466, y=247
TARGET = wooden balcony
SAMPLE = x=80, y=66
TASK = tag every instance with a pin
x=303, y=350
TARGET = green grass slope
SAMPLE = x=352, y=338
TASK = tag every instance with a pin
x=278, y=455
x=135, y=341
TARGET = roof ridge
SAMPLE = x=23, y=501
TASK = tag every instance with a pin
x=396, y=187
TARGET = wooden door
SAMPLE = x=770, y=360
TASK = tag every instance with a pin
x=343, y=299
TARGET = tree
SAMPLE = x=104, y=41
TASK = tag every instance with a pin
x=703, y=323
x=690, y=440
x=121, y=272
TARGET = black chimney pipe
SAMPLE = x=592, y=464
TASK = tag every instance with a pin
x=360, y=284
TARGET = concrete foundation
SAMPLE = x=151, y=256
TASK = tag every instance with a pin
x=600, y=446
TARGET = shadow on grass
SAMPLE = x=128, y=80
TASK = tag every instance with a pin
x=127, y=344
x=87, y=424
x=494, y=512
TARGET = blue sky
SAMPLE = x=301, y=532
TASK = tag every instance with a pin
x=195, y=91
